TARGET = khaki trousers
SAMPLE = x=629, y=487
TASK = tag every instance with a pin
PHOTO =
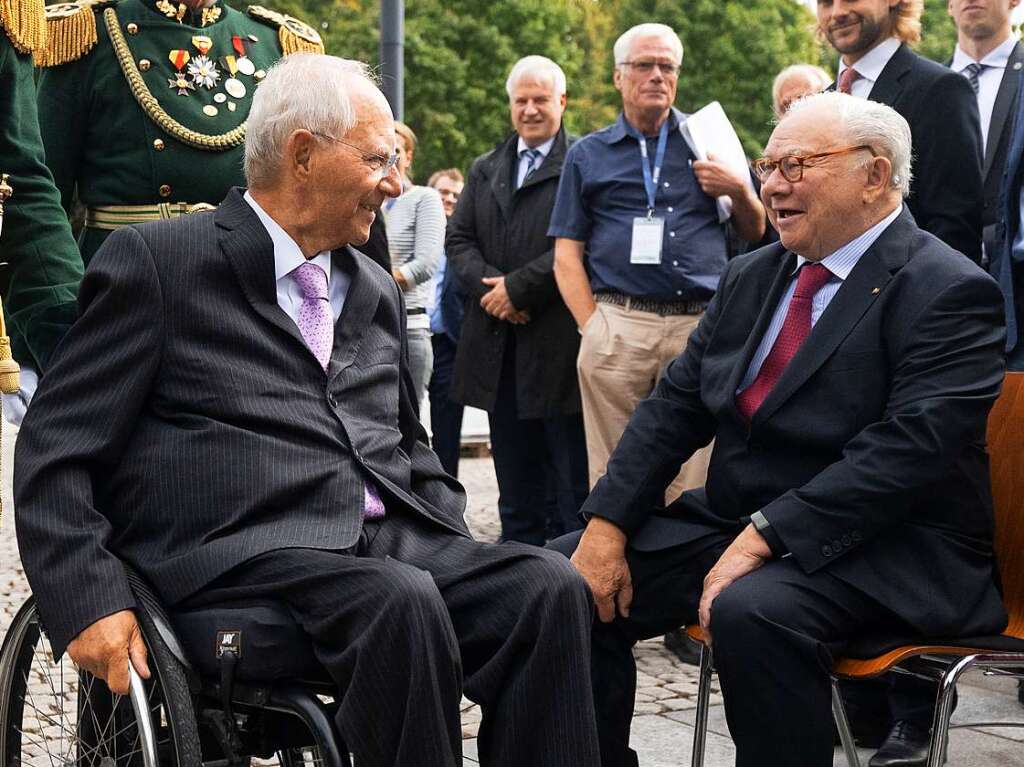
x=622, y=354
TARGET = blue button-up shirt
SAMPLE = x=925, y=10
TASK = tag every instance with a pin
x=602, y=191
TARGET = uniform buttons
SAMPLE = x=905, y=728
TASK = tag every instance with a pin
x=669, y=208
x=666, y=185
x=165, y=190
x=671, y=234
x=679, y=292
x=675, y=263
x=132, y=29
x=158, y=144
x=145, y=64
x=826, y=550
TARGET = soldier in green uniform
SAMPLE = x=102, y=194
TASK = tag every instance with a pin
x=142, y=103
x=42, y=268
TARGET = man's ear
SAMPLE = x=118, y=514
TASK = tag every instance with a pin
x=298, y=153
x=879, y=180
x=617, y=78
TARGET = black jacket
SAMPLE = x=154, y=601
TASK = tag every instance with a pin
x=867, y=458
x=499, y=230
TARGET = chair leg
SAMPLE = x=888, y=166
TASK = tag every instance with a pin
x=700, y=728
x=944, y=710
x=843, y=725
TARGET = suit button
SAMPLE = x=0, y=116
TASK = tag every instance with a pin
x=165, y=190
x=847, y=540
x=837, y=545
x=826, y=550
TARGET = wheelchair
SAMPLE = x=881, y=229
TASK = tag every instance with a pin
x=231, y=685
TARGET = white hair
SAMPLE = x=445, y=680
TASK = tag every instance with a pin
x=869, y=123
x=650, y=29
x=302, y=91
x=813, y=75
x=539, y=68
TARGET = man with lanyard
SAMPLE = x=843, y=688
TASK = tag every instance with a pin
x=639, y=251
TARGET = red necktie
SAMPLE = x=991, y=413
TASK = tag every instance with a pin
x=795, y=329
x=847, y=79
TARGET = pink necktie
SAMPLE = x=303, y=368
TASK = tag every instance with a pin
x=847, y=79
x=316, y=323
x=795, y=329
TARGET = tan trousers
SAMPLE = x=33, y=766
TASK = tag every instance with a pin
x=622, y=354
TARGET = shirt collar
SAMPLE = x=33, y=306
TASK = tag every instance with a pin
x=997, y=58
x=842, y=261
x=543, y=148
x=621, y=129
x=873, y=62
x=287, y=254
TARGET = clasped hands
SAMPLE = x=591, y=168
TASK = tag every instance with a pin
x=600, y=558
x=496, y=302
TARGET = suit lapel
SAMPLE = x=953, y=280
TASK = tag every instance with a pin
x=858, y=292
x=1005, y=98
x=769, y=295
x=501, y=175
x=889, y=85
x=250, y=251
x=359, y=309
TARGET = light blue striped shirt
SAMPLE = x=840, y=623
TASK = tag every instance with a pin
x=840, y=263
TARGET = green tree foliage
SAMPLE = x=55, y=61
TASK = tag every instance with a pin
x=457, y=55
x=938, y=34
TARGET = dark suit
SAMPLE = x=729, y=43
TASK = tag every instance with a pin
x=186, y=428
x=524, y=376
x=1006, y=266
x=946, y=191
x=867, y=459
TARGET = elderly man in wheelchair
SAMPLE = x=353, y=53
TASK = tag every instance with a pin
x=226, y=504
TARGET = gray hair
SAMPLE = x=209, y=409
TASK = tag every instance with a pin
x=813, y=75
x=650, y=29
x=540, y=68
x=867, y=122
x=302, y=91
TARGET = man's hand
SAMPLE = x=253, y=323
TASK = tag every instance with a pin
x=717, y=178
x=600, y=558
x=104, y=648
x=400, y=279
x=745, y=554
x=497, y=303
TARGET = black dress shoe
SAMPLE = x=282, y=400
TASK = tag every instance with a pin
x=683, y=647
x=906, y=746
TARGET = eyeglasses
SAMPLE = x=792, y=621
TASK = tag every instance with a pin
x=379, y=162
x=792, y=166
x=646, y=67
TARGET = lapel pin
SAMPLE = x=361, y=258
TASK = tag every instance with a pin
x=875, y=291
x=1018, y=65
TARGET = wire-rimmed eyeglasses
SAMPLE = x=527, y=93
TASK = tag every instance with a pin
x=379, y=162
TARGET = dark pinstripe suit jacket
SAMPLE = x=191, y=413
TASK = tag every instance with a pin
x=185, y=427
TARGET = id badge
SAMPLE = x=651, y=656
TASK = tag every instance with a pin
x=648, y=234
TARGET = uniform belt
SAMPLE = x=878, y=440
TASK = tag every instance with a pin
x=111, y=217
x=663, y=308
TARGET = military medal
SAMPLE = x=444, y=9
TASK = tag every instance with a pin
x=219, y=98
x=202, y=43
x=232, y=85
x=210, y=110
x=203, y=72
x=243, y=62
x=179, y=59
x=231, y=106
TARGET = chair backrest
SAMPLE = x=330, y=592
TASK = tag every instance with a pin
x=1006, y=456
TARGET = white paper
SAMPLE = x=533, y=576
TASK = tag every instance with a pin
x=708, y=131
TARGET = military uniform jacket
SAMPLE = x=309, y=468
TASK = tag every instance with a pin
x=40, y=281
x=132, y=121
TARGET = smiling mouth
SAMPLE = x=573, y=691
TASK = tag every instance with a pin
x=787, y=213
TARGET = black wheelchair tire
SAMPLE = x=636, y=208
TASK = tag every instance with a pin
x=174, y=718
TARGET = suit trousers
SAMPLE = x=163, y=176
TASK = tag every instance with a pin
x=540, y=465
x=623, y=353
x=413, y=616
x=445, y=413
x=774, y=634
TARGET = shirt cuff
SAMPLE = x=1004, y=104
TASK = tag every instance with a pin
x=771, y=537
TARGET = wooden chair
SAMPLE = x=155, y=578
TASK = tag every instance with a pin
x=944, y=661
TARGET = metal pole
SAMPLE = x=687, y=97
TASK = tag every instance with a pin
x=392, y=54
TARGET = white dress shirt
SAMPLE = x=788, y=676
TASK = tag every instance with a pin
x=524, y=162
x=870, y=67
x=988, y=79
x=288, y=257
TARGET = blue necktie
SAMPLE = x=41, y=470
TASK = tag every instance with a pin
x=971, y=72
x=533, y=158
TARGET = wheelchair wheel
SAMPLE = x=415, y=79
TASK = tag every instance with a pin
x=52, y=713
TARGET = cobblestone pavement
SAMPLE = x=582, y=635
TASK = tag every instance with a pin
x=666, y=688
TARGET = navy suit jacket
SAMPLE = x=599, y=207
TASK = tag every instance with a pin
x=867, y=458
x=1005, y=267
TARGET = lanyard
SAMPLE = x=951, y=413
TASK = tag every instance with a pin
x=651, y=176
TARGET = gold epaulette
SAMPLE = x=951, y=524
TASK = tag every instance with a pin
x=70, y=31
x=24, y=21
x=295, y=36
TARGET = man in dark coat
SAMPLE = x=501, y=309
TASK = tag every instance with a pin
x=517, y=352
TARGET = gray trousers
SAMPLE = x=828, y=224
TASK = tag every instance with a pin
x=421, y=361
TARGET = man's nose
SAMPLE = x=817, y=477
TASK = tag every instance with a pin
x=391, y=184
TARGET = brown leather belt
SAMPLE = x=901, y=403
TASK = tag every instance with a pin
x=661, y=308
